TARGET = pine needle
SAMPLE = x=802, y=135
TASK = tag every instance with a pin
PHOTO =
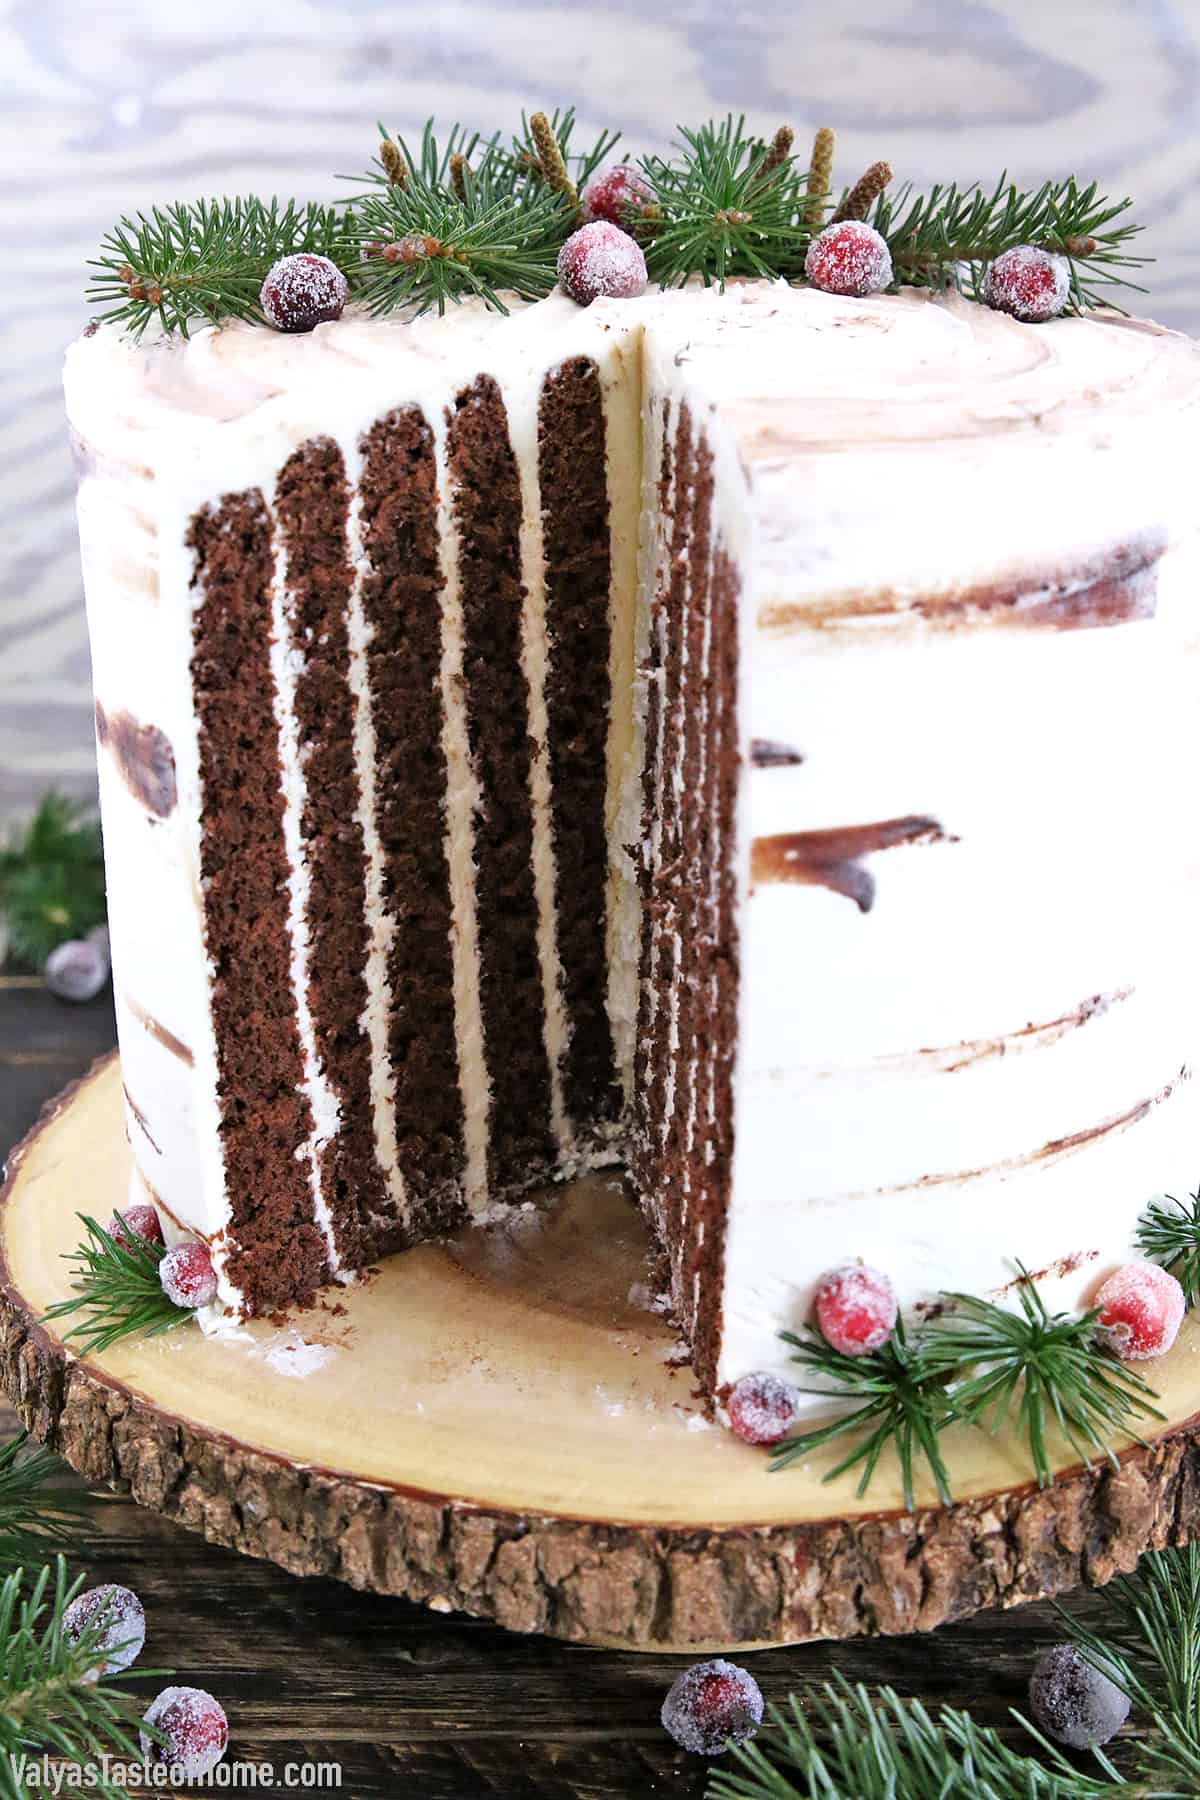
x=117, y=1291
x=52, y=879
x=1169, y=1233
x=35, y=1516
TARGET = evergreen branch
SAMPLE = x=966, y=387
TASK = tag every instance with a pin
x=52, y=879
x=903, y=1402
x=1050, y=1365
x=952, y=233
x=1148, y=1642
x=526, y=155
x=727, y=204
x=1170, y=1234
x=846, y=1744
x=206, y=260
x=35, y=1517
x=117, y=1290
x=50, y=1696
x=979, y=1363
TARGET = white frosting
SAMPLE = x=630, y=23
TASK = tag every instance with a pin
x=989, y=1064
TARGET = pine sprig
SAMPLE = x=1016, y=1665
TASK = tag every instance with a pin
x=951, y=233
x=1043, y=1369
x=845, y=1743
x=902, y=1402
x=117, y=1290
x=36, y=1517
x=726, y=204
x=50, y=1698
x=1169, y=1233
x=51, y=879
x=195, y=263
x=979, y=1364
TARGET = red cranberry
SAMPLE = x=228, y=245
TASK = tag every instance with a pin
x=1033, y=285
x=762, y=1408
x=136, y=1224
x=856, y=1309
x=117, y=1612
x=194, y=1727
x=1141, y=1310
x=712, y=1705
x=618, y=194
x=302, y=291
x=187, y=1275
x=849, y=258
x=601, y=260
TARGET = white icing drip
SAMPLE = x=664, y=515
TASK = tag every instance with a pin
x=521, y=407
x=380, y=920
x=287, y=664
x=463, y=801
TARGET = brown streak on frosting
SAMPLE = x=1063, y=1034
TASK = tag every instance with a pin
x=144, y=757
x=140, y=1116
x=961, y=1056
x=1115, y=588
x=768, y=753
x=1045, y=1153
x=831, y=858
x=158, y=1031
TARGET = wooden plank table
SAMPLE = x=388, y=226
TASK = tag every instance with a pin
x=406, y=1700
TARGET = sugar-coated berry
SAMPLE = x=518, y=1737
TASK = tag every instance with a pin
x=134, y=1222
x=1141, y=1310
x=1033, y=285
x=762, y=1408
x=77, y=970
x=194, y=1729
x=1072, y=1702
x=617, y=194
x=601, y=261
x=849, y=258
x=856, y=1309
x=712, y=1705
x=117, y=1612
x=187, y=1275
x=302, y=291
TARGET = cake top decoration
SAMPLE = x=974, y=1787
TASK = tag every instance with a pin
x=472, y=215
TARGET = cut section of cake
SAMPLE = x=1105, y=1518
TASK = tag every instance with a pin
x=733, y=735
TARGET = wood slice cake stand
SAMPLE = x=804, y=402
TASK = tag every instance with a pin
x=496, y=1425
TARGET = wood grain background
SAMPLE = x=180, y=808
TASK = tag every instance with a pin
x=113, y=105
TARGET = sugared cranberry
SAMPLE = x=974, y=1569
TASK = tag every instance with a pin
x=187, y=1275
x=77, y=970
x=135, y=1223
x=117, y=1612
x=1072, y=1701
x=194, y=1730
x=618, y=194
x=601, y=261
x=712, y=1705
x=1033, y=285
x=302, y=291
x=1141, y=1310
x=762, y=1408
x=856, y=1309
x=849, y=258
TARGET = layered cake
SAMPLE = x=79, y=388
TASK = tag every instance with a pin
x=742, y=737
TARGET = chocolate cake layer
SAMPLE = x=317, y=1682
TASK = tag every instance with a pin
x=402, y=593
x=312, y=501
x=278, y=1255
x=487, y=507
x=573, y=480
x=719, y=1028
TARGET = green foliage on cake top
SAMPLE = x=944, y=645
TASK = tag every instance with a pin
x=843, y=1742
x=51, y=880
x=463, y=214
